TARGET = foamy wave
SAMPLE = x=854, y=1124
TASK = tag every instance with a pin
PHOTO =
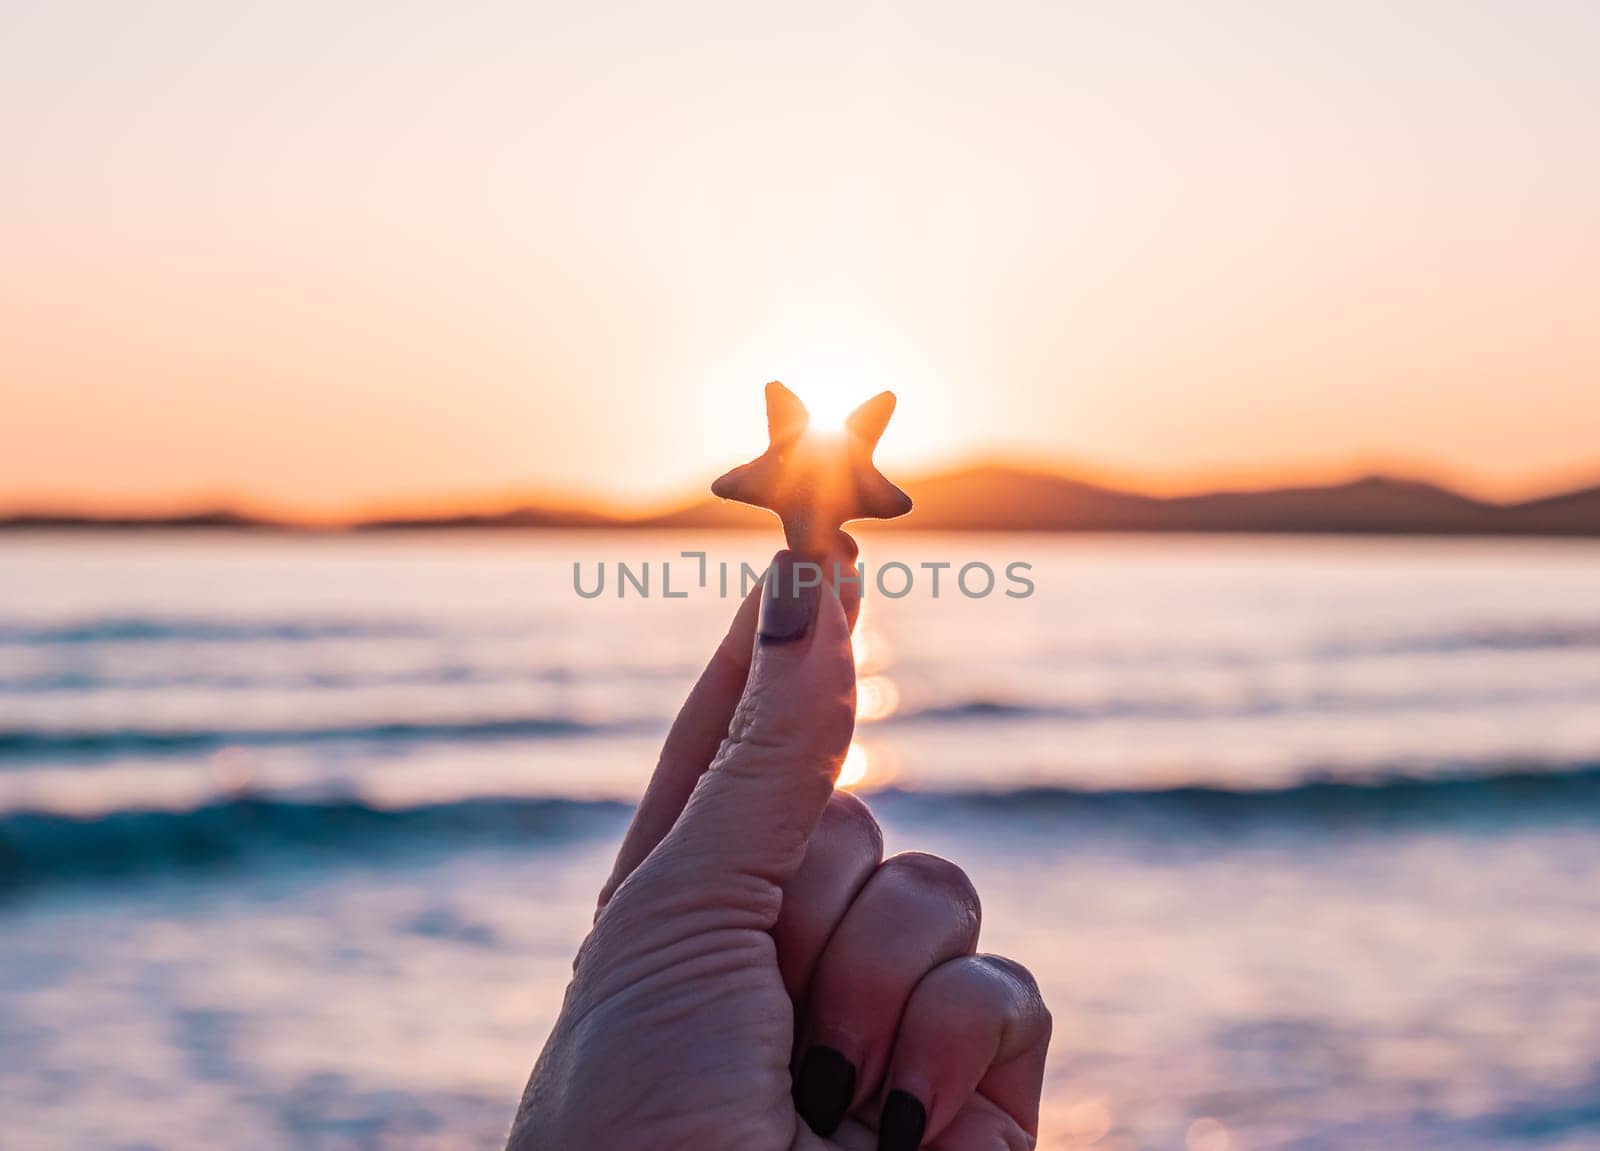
x=158, y=629
x=43, y=847
x=22, y=744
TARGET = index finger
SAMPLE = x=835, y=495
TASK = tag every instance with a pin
x=700, y=727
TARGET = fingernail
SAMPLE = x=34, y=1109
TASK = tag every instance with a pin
x=823, y=1089
x=789, y=601
x=903, y=1121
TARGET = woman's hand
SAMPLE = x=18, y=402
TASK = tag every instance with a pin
x=758, y=977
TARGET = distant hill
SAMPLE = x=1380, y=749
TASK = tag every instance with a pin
x=522, y=517
x=1575, y=513
x=709, y=513
x=196, y=520
x=1001, y=498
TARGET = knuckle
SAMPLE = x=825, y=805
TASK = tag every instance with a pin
x=1023, y=1000
x=964, y=997
x=1014, y=972
x=935, y=873
x=853, y=819
x=766, y=723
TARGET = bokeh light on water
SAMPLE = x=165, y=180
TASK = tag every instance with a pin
x=1306, y=851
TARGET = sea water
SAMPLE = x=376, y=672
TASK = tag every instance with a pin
x=1301, y=837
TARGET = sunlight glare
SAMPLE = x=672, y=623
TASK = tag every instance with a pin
x=829, y=404
x=834, y=368
x=854, y=769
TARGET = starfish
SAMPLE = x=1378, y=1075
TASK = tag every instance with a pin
x=816, y=481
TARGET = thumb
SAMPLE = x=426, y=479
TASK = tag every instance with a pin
x=744, y=829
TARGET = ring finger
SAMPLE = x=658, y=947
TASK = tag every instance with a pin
x=975, y=1023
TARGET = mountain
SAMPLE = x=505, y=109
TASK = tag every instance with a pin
x=527, y=516
x=1003, y=498
x=1372, y=504
x=996, y=498
x=1575, y=513
x=709, y=513
x=200, y=520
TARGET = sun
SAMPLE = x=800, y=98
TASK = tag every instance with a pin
x=833, y=373
x=829, y=403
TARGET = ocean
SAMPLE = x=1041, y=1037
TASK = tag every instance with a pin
x=1301, y=837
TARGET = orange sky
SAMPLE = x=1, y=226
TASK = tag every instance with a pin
x=322, y=257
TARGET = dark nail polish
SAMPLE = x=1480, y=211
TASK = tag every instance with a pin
x=789, y=600
x=823, y=1089
x=903, y=1121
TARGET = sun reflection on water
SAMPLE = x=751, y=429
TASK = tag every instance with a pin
x=876, y=698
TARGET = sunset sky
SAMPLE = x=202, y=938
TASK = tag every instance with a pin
x=330, y=256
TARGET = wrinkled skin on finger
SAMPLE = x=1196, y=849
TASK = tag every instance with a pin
x=725, y=920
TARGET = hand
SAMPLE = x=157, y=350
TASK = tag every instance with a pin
x=750, y=907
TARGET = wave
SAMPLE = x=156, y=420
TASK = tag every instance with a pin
x=42, y=847
x=1536, y=791
x=93, y=743
x=37, y=847
x=983, y=707
x=182, y=629
x=21, y=744
x=122, y=629
x=461, y=674
x=1554, y=636
x=1258, y=706
x=1494, y=639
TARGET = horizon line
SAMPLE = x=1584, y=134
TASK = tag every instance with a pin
x=625, y=511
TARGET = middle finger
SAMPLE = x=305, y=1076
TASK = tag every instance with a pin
x=842, y=854
x=915, y=913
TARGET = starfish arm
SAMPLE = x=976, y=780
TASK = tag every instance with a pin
x=868, y=421
x=877, y=497
x=753, y=483
x=786, y=415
